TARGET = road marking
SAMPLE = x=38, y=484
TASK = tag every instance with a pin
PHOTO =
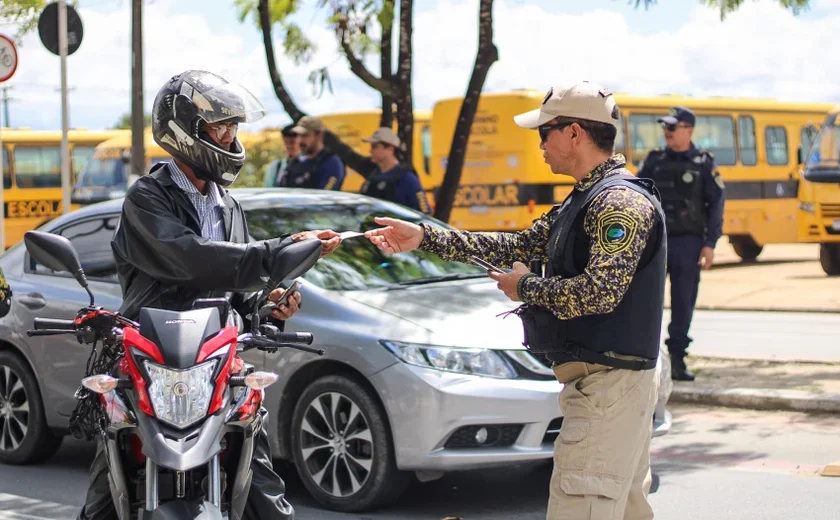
x=15, y=507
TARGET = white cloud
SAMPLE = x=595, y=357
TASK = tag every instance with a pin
x=761, y=50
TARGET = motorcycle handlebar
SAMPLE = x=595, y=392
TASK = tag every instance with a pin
x=56, y=324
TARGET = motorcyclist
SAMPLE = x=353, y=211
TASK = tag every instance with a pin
x=182, y=236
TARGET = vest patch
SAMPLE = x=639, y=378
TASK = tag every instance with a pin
x=615, y=232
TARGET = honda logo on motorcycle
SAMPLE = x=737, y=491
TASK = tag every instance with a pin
x=183, y=320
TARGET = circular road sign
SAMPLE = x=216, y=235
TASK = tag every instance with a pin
x=48, y=29
x=8, y=58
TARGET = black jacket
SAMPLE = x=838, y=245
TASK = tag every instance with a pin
x=164, y=262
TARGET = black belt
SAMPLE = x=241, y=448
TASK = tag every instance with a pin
x=593, y=357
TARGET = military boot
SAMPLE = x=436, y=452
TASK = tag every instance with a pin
x=679, y=372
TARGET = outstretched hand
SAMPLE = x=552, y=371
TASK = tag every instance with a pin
x=330, y=240
x=398, y=236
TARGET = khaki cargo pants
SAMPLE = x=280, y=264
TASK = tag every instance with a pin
x=602, y=454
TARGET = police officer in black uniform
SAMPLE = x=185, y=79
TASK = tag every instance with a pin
x=323, y=168
x=692, y=197
x=392, y=180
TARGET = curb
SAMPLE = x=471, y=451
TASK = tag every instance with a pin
x=757, y=398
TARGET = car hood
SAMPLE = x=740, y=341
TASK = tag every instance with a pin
x=460, y=313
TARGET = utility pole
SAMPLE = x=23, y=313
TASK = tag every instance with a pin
x=65, y=145
x=138, y=153
x=6, y=100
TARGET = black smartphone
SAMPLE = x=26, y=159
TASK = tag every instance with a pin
x=292, y=288
x=486, y=265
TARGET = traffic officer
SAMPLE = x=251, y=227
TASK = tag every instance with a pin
x=5, y=295
x=597, y=312
x=276, y=170
x=692, y=198
x=322, y=169
x=391, y=180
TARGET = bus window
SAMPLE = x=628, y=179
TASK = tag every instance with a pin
x=38, y=166
x=619, y=136
x=807, y=136
x=426, y=138
x=746, y=136
x=776, y=145
x=716, y=134
x=645, y=135
x=81, y=154
x=7, y=173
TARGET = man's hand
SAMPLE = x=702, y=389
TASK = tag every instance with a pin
x=508, y=281
x=329, y=239
x=707, y=256
x=284, y=311
x=398, y=236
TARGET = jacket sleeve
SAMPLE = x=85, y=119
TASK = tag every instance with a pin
x=158, y=243
x=411, y=193
x=713, y=189
x=361, y=164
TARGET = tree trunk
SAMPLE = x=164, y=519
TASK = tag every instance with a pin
x=405, y=104
x=485, y=57
x=386, y=70
x=279, y=89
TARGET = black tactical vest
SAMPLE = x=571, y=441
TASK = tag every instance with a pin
x=634, y=327
x=680, y=185
x=302, y=174
x=384, y=186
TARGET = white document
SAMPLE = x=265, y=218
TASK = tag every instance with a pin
x=351, y=234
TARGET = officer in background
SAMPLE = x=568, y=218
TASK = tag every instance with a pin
x=5, y=295
x=692, y=198
x=276, y=170
x=322, y=169
x=597, y=313
x=393, y=181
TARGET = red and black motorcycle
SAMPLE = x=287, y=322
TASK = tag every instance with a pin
x=169, y=396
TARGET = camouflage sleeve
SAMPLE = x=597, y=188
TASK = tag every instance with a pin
x=618, y=223
x=500, y=249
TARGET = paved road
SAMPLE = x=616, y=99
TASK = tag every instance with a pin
x=717, y=463
x=781, y=336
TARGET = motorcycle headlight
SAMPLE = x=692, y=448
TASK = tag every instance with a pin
x=474, y=362
x=181, y=397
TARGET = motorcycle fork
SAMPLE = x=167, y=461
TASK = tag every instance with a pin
x=214, y=484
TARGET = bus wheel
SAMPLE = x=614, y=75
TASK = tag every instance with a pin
x=746, y=248
x=830, y=259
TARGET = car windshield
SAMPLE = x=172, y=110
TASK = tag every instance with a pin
x=106, y=173
x=357, y=264
x=823, y=164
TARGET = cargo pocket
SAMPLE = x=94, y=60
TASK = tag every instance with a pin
x=572, y=444
x=602, y=494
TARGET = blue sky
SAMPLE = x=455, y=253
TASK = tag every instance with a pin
x=674, y=46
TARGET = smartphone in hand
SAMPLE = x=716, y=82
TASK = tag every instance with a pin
x=486, y=265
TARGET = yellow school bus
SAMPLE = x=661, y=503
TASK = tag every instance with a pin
x=351, y=127
x=506, y=184
x=108, y=173
x=32, y=174
x=819, y=205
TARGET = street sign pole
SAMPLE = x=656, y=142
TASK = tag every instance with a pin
x=65, y=147
x=8, y=66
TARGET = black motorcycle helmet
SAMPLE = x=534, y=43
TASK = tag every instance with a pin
x=185, y=104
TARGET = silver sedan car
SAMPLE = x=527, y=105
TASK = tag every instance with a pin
x=420, y=377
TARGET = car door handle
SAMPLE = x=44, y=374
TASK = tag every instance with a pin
x=32, y=300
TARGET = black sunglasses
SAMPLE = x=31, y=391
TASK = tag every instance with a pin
x=546, y=129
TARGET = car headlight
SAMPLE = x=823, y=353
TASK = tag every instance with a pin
x=807, y=207
x=475, y=362
x=181, y=397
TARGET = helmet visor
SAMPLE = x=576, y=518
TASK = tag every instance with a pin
x=228, y=101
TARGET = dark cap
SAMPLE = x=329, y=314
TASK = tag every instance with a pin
x=678, y=114
x=290, y=130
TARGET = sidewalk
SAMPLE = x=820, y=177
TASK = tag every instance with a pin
x=762, y=385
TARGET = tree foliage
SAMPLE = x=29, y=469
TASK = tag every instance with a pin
x=730, y=6
x=124, y=122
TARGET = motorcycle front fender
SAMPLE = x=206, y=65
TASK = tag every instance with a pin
x=183, y=510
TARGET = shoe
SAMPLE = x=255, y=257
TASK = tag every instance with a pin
x=679, y=372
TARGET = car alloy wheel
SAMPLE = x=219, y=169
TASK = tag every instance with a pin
x=14, y=410
x=336, y=444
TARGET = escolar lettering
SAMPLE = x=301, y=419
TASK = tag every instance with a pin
x=33, y=208
x=488, y=195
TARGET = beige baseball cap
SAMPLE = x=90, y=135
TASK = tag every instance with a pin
x=385, y=135
x=583, y=100
x=308, y=124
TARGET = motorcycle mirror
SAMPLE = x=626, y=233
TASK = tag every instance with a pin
x=294, y=260
x=57, y=253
